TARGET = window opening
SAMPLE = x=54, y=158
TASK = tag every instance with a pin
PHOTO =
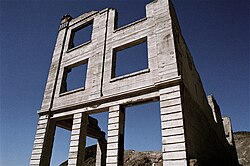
x=81, y=35
x=74, y=77
x=130, y=58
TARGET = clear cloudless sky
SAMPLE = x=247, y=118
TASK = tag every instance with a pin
x=216, y=32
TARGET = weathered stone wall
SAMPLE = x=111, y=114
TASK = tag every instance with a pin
x=189, y=129
x=204, y=130
x=162, y=64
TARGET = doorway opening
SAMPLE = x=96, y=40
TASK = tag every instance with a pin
x=143, y=134
x=60, y=151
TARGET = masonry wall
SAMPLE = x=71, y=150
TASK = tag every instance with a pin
x=205, y=136
x=99, y=53
x=189, y=129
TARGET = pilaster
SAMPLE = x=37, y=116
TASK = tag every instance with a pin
x=43, y=143
x=78, y=139
x=115, y=145
x=172, y=123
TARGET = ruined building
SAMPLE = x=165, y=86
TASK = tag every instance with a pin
x=193, y=130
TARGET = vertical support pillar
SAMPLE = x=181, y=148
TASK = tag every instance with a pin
x=115, y=146
x=78, y=140
x=43, y=143
x=172, y=123
x=101, y=150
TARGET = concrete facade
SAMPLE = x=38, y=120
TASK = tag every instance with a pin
x=192, y=127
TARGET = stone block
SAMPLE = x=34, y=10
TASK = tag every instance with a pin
x=40, y=131
x=36, y=151
x=76, y=126
x=174, y=155
x=114, y=108
x=72, y=162
x=169, y=90
x=34, y=162
x=35, y=156
x=37, y=146
x=43, y=121
x=173, y=139
x=114, y=126
x=113, y=114
x=77, y=121
x=113, y=139
x=73, y=149
x=171, y=109
x=113, y=120
x=39, y=136
x=38, y=141
x=172, y=131
x=112, y=159
x=173, y=116
x=74, y=137
x=172, y=123
x=75, y=132
x=112, y=146
x=74, y=142
x=168, y=96
x=174, y=147
x=182, y=162
x=113, y=152
x=171, y=102
x=113, y=133
x=111, y=164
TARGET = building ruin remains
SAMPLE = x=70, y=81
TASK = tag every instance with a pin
x=193, y=130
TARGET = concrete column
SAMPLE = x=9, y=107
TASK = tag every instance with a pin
x=78, y=140
x=115, y=146
x=101, y=150
x=43, y=143
x=172, y=123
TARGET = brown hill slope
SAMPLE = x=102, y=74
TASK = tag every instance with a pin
x=134, y=158
x=242, y=143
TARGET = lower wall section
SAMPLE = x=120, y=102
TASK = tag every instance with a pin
x=204, y=143
x=189, y=136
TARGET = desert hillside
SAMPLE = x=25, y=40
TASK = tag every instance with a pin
x=134, y=158
x=242, y=142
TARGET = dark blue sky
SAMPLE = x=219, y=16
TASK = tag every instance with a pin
x=216, y=32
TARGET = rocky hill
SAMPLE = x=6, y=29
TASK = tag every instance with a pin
x=242, y=143
x=131, y=158
x=150, y=158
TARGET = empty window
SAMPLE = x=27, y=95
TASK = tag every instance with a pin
x=130, y=58
x=81, y=35
x=74, y=77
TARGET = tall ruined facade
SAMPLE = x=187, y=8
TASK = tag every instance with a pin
x=193, y=130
